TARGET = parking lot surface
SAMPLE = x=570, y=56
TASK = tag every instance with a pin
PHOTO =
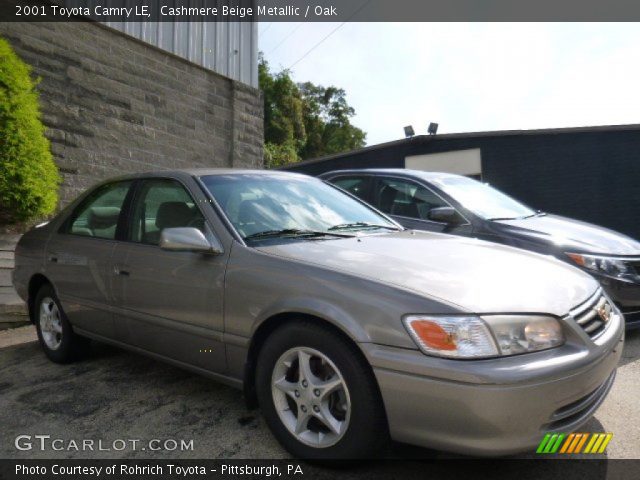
x=116, y=396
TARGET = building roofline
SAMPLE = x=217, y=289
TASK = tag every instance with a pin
x=419, y=139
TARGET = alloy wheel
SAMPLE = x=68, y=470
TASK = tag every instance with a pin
x=311, y=397
x=50, y=323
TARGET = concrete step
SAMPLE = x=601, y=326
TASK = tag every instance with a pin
x=13, y=320
x=10, y=302
x=17, y=336
x=5, y=277
x=8, y=242
x=7, y=259
x=6, y=263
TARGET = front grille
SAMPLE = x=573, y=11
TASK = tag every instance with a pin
x=593, y=315
x=635, y=264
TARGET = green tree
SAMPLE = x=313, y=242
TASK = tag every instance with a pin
x=304, y=120
x=327, y=121
x=28, y=175
x=284, y=131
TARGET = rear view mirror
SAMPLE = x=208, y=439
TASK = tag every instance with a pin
x=444, y=215
x=187, y=239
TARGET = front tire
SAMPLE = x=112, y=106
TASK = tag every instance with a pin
x=56, y=336
x=318, y=395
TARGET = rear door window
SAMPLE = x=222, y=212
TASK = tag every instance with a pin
x=98, y=215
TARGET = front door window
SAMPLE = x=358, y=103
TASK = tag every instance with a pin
x=406, y=199
x=163, y=204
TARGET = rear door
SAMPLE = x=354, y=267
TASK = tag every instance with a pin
x=169, y=303
x=79, y=255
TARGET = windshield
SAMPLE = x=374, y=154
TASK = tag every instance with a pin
x=276, y=205
x=482, y=199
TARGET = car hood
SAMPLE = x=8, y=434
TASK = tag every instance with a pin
x=478, y=276
x=572, y=235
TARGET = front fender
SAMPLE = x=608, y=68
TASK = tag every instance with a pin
x=322, y=309
x=259, y=285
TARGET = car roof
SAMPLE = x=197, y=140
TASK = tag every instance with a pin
x=404, y=172
x=202, y=172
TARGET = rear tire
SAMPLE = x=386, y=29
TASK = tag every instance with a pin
x=328, y=409
x=56, y=336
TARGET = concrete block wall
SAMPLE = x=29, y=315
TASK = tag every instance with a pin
x=114, y=105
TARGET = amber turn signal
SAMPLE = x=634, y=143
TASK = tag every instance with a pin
x=433, y=335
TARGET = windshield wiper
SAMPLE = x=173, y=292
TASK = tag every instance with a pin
x=293, y=232
x=345, y=226
x=539, y=213
x=502, y=218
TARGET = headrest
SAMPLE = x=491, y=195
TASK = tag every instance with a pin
x=387, y=196
x=102, y=217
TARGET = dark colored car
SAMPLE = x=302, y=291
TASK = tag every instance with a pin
x=443, y=202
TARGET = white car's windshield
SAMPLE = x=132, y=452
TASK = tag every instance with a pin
x=482, y=199
x=275, y=205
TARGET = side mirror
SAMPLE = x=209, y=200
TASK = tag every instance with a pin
x=187, y=239
x=444, y=215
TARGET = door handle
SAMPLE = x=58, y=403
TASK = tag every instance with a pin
x=119, y=271
x=53, y=259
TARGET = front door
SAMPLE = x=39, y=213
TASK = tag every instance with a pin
x=409, y=204
x=169, y=303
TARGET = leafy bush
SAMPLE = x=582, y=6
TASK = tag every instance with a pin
x=279, y=155
x=29, y=177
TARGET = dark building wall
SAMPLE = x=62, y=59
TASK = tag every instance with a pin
x=114, y=105
x=588, y=175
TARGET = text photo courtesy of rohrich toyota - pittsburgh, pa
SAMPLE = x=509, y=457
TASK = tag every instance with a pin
x=319, y=239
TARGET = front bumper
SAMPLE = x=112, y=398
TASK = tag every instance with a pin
x=495, y=406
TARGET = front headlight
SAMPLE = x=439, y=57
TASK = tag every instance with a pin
x=483, y=337
x=525, y=333
x=612, y=266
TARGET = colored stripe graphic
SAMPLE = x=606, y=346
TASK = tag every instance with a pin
x=567, y=442
x=550, y=443
x=596, y=446
x=594, y=437
x=543, y=443
x=556, y=445
x=574, y=442
x=606, y=441
x=582, y=442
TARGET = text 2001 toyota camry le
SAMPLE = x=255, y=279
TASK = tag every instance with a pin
x=344, y=327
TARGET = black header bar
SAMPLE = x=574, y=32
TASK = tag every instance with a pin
x=320, y=10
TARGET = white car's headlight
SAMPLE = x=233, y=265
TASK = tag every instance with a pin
x=612, y=266
x=483, y=337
